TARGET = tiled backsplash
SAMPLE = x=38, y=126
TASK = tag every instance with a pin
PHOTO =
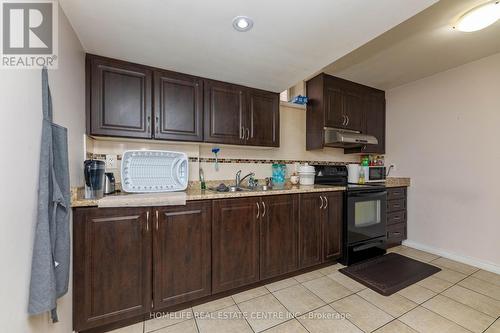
x=233, y=158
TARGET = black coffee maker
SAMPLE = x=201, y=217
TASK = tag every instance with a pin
x=94, y=178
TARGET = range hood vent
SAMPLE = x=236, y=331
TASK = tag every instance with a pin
x=340, y=138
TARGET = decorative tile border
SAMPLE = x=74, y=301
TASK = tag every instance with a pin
x=235, y=160
x=258, y=161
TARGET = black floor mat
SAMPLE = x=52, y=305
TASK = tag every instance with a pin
x=389, y=273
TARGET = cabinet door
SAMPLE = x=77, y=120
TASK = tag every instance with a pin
x=354, y=110
x=334, y=107
x=278, y=235
x=235, y=243
x=310, y=249
x=375, y=122
x=181, y=253
x=120, y=98
x=225, y=109
x=178, y=107
x=332, y=226
x=112, y=265
x=263, y=119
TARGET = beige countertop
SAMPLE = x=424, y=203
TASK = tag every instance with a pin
x=197, y=194
x=193, y=193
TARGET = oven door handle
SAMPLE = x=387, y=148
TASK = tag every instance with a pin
x=368, y=195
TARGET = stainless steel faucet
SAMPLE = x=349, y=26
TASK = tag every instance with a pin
x=239, y=179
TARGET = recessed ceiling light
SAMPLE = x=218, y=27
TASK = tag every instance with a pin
x=479, y=17
x=242, y=23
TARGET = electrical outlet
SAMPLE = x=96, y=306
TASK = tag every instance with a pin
x=111, y=161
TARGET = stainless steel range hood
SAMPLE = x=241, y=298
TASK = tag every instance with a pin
x=335, y=137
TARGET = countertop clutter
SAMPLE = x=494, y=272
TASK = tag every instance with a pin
x=78, y=200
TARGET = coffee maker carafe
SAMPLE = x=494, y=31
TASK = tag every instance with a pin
x=94, y=179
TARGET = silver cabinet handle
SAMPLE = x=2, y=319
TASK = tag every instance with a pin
x=321, y=206
x=157, y=124
x=248, y=134
x=326, y=203
x=147, y=220
x=343, y=120
x=242, y=133
x=258, y=209
x=149, y=124
x=347, y=120
x=157, y=220
x=264, y=212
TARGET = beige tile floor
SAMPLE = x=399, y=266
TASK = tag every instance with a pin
x=460, y=298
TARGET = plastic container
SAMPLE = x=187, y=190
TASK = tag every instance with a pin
x=307, y=174
x=279, y=174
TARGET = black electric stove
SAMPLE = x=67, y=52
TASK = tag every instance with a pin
x=364, y=229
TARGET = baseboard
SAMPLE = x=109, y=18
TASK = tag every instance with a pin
x=486, y=265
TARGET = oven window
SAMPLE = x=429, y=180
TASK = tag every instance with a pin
x=367, y=213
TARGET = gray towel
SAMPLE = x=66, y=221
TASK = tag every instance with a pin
x=51, y=251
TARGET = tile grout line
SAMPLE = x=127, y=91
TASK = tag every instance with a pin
x=283, y=305
x=447, y=297
x=246, y=320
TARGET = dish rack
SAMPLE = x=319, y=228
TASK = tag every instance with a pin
x=151, y=171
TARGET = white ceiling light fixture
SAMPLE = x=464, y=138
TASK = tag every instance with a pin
x=242, y=23
x=479, y=17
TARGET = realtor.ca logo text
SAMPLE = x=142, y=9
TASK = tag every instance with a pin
x=29, y=34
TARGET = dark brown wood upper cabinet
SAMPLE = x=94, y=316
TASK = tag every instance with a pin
x=342, y=104
x=181, y=253
x=112, y=265
x=235, y=243
x=263, y=119
x=225, y=110
x=278, y=235
x=332, y=225
x=118, y=98
x=178, y=107
x=310, y=224
x=354, y=111
x=119, y=103
x=375, y=122
x=334, y=107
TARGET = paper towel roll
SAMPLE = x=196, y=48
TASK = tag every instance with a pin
x=353, y=173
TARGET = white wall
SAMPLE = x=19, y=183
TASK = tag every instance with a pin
x=444, y=132
x=20, y=131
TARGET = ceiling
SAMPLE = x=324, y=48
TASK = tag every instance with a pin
x=419, y=47
x=290, y=39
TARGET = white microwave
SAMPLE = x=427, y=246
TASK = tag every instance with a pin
x=375, y=173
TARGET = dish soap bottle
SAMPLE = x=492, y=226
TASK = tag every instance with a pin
x=361, y=175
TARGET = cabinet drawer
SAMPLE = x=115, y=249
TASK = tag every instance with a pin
x=396, y=217
x=396, y=205
x=396, y=193
x=396, y=233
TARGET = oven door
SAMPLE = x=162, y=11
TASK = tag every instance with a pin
x=366, y=215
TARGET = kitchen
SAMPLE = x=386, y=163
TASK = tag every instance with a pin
x=282, y=237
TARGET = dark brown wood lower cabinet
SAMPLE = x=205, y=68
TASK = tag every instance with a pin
x=396, y=216
x=235, y=243
x=310, y=220
x=181, y=252
x=332, y=226
x=112, y=265
x=278, y=235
